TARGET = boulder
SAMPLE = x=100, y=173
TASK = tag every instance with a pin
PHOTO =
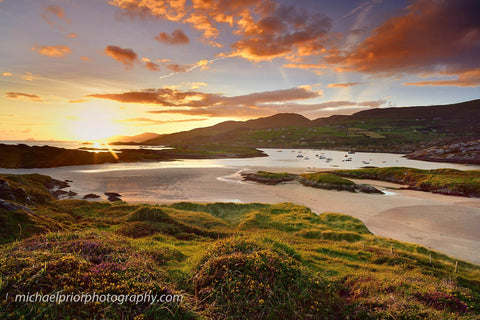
x=366, y=188
x=91, y=196
x=9, y=206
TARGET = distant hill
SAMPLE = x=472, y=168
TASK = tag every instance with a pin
x=398, y=129
x=221, y=130
x=137, y=138
x=464, y=113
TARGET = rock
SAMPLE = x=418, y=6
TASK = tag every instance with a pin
x=72, y=193
x=58, y=193
x=113, y=196
x=6, y=205
x=366, y=188
x=91, y=196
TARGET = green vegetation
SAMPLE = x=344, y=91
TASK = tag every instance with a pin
x=324, y=177
x=229, y=261
x=400, y=130
x=447, y=181
x=269, y=177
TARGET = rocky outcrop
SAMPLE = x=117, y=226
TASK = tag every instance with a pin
x=461, y=152
x=113, y=196
x=9, y=206
x=366, y=188
x=8, y=192
x=91, y=196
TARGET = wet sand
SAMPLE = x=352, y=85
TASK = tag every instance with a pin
x=444, y=223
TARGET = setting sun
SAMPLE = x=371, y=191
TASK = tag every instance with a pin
x=94, y=124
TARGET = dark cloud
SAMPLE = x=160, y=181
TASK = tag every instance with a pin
x=286, y=30
x=246, y=111
x=431, y=37
x=23, y=96
x=266, y=29
x=126, y=56
x=177, y=37
x=167, y=97
x=195, y=103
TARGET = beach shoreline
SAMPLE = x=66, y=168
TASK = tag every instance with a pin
x=440, y=222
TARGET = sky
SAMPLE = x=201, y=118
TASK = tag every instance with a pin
x=90, y=69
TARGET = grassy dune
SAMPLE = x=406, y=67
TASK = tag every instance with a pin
x=447, y=181
x=230, y=261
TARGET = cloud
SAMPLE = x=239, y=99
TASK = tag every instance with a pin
x=266, y=29
x=469, y=78
x=53, y=51
x=23, y=96
x=86, y=58
x=436, y=37
x=148, y=121
x=126, y=56
x=343, y=85
x=212, y=104
x=246, y=111
x=152, y=66
x=284, y=31
x=78, y=101
x=28, y=76
x=177, y=37
x=167, y=97
x=72, y=35
x=51, y=12
x=7, y=74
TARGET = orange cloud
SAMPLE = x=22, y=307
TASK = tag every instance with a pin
x=437, y=37
x=53, y=51
x=71, y=35
x=152, y=66
x=267, y=29
x=7, y=74
x=53, y=11
x=85, y=58
x=200, y=103
x=23, y=96
x=28, y=76
x=126, y=56
x=469, y=78
x=343, y=85
x=177, y=37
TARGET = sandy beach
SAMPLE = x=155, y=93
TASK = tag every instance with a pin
x=444, y=223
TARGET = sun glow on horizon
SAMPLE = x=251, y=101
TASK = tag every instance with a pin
x=94, y=124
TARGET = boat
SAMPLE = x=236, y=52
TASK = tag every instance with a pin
x=365, y=162
x=306, y=158
x=321, y=157
x=299, y=155
x=351, y=152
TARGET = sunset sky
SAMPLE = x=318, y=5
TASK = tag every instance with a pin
x=82, y=70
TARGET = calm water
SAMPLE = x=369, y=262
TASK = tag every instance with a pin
x=277, y=158
x=74, y=144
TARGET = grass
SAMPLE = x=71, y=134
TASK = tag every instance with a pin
x=323, y=177
x=448, y=181
x=229, y=261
